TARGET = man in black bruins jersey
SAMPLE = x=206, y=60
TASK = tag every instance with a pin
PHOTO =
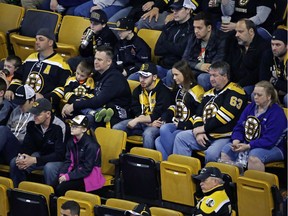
x=45, y=70
x=215, y=200
x=215, y=117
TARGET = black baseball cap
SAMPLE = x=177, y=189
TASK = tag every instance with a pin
x=40, y=105
x=148, y=69
x=98, y=16
x=191, y=4
x=207, y=172
x=23, y=93
x=124, y=24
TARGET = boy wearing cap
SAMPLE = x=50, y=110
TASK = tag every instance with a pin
x=45, y=70
x=215, y=200
x=149, y=101
x=82, y=167
x=102, y=35
x=131, y=50
x=43, y=145
x=5, y=105
x=273, y=66
x=13, y=133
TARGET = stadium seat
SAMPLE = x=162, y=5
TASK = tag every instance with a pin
x=145, y=152
x=23, y=40
x=69, y=36
x=29, y=198
x=255, y=193
x=10, y=18
x=140, y=174
x=176, y=182
x=113, y=143
x=5, y=183
x=150, y=36
x=157, y=211
x=87, y=201
x=104, y=210
x=121, y=204
x=232, y=171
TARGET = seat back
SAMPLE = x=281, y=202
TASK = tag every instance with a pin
x=121, y=204
x=176, y=182
x=23, y=43
x=89, y=197
x=254, y=197
x=69, y=39
x=113, y=143
x=6, y=181
x=157, y=211
x=145, y=152
x=133, y=84
x=43, y=189
x=4, y=203
x=104, y=210
x=270, y=178
x=231, y=170
x=27, y=203
x=10, y=18
x=139, y=177
x=86, y=208
x=150, y=36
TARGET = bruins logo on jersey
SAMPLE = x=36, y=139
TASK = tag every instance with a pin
x=80, y=91
x=243, y=2
x=36, y=81
x=210, y=111
x=182, y=112
x=252, y=128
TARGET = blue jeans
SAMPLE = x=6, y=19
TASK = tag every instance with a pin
x=84, y=9
x=50, y=169
x=168, y=79
x=153, y=24
x=164, y=143
x=120, y=14
x=149, y=133
x=265, y=155
x=9, y=144
x=185, y=143
x=249, y=90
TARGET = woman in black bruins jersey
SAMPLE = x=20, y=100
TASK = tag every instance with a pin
x=188, y=95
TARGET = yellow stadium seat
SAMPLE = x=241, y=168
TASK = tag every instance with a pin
x=157, y=211
x=5, y=183
x=69, y=36
x=254, y=193
x=113, y=143
x=150, y=36
x=10, y=18
x=145, y=152
x=121, y=204
x=23, y=41
x=232, y=171
x=176, y=182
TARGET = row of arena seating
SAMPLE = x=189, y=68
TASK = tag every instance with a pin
x=143, y=177
x=33, y=197
x=17, y=31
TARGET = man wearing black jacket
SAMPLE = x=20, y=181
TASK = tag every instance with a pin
x=102, y=35
x=111, y=90
x=43, y=145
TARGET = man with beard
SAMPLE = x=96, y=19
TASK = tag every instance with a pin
x=244, y=53
x=149, y=100
x=273, y=67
